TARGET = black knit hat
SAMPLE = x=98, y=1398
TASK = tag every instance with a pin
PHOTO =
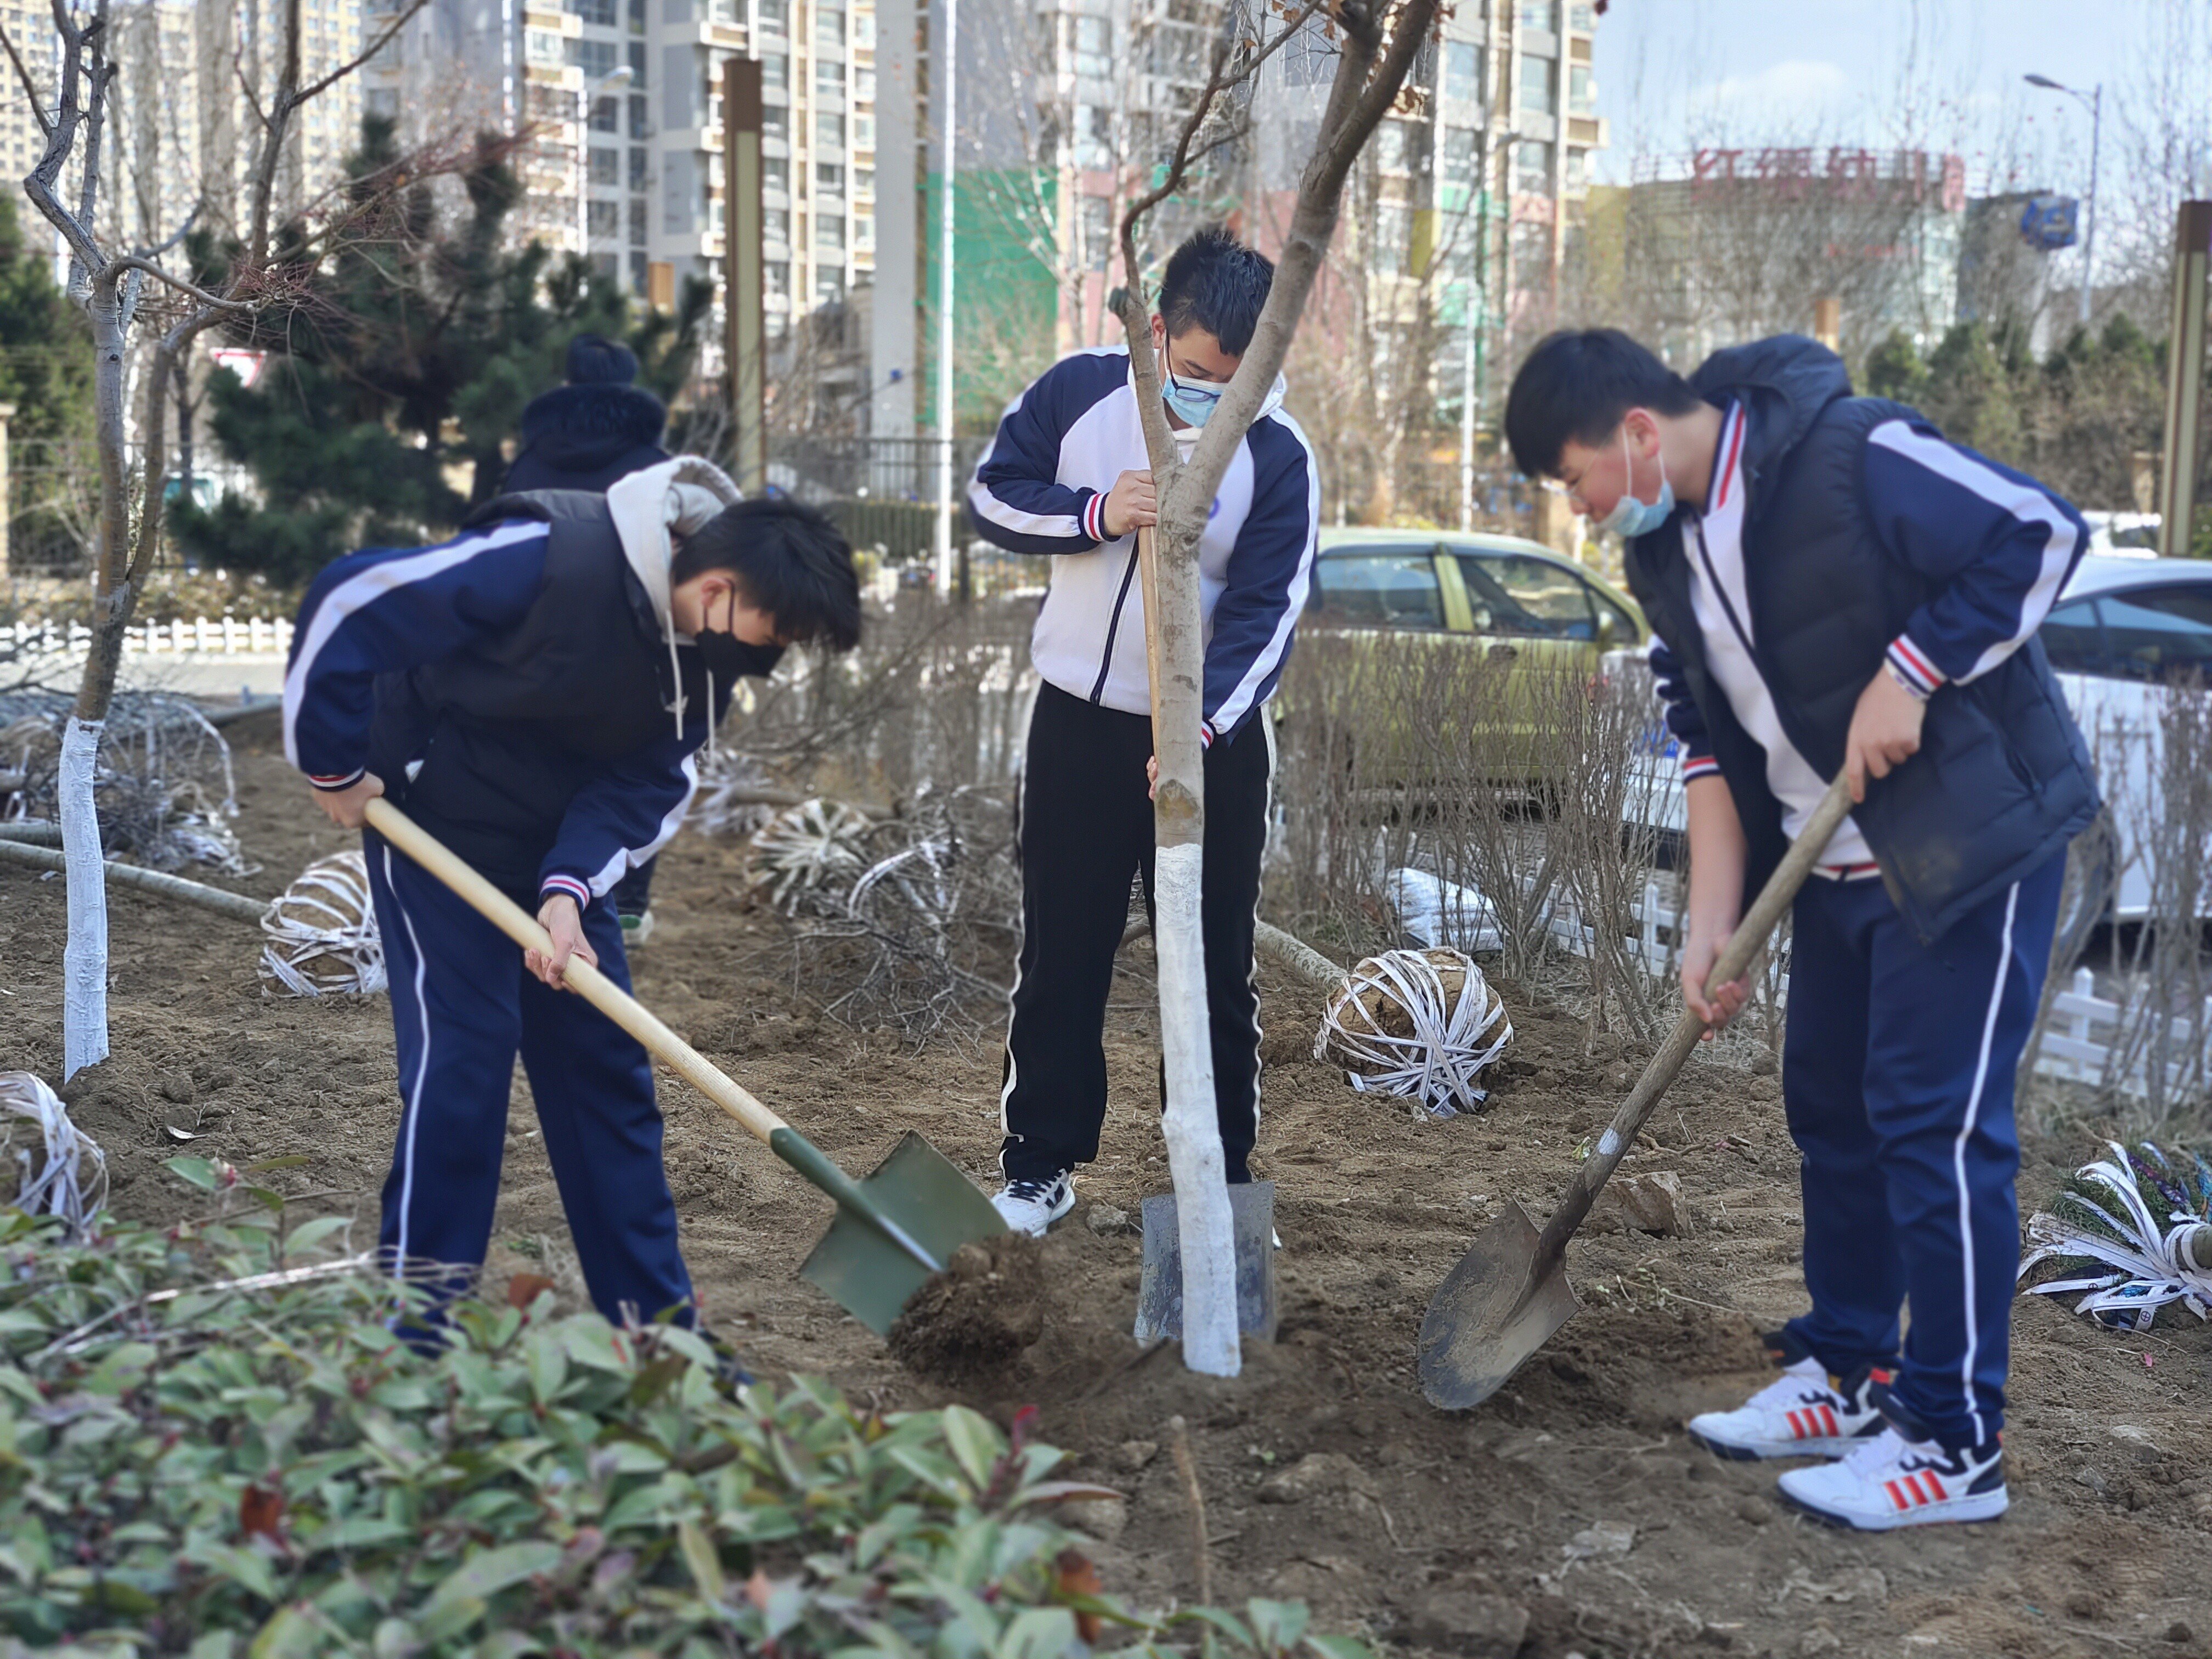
x=595, y=360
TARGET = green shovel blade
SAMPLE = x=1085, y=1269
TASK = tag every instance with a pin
x=921, y=1192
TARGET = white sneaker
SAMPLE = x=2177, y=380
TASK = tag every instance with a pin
x=1891, y=1482
x=1803, y=1413
x=1030, y=1207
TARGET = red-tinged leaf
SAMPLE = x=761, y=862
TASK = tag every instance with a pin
x=261, y=1513
x=524, y=1289
x=1075, y=1576
x=1060, y=1491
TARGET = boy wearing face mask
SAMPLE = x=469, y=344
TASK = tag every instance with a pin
x=531, y=693
x=1835, y=587
x=1068, y=475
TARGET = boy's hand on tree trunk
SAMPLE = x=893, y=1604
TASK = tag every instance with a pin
x=558, y=916
x=1131, y=505
x=1885, y=732
x=347, y=808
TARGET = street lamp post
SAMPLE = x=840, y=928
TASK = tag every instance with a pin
x=587, y=93
x=2093, y=100
x=1472, y=351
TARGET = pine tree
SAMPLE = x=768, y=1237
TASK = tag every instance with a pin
x=400, y=371
x=45, y=371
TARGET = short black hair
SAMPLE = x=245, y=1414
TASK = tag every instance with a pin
x=1577, y=384
x=1215, y=282
x=793, y=563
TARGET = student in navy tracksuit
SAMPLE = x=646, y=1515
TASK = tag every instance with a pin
x=1834, y=587
x=1069, y=476
x=531, y=693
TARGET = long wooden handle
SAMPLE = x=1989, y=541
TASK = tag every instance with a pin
x=1746, y=943
x=587, y=981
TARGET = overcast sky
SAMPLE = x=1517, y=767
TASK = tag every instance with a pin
x=1675, y=74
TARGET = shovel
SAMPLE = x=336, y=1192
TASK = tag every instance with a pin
x=1251, y=1204
x=1509, y=1293
x=893, y=1230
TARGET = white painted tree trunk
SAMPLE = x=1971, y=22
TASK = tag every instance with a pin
x=84, y=957
x=1175, y=643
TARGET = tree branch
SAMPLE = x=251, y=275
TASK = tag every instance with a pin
x=30, y=91
x=112, y=272
x=344, y=69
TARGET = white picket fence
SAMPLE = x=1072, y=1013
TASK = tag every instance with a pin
x=2079, y=1037
x=213, y=636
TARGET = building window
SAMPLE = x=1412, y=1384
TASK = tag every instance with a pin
x=637, y=62
x=607, y=268
x=1582, y=17
x=829, y=176
x=775, y=225
x=775, y=279
x=864, y=86
x=830, y=230
x=1581, y=90
x=864, y=31
x=775, y=15
x=863, y=181
x=828, y=28
x=1539, y=14
x=1390, y=147
x=640, y=274
x=597, y=58
x=864, y=131
x=637, y=166
x=1094, y=151
x=1577, y=169
x=1458, y=156
x=637, y=16
x=1094, y=48
x=641, y=118
x=1532, y=168
x=1463, y=71
x=606, y=115
x=606, y=165
x=775, y=123
x=775, y=70
x=725, y=11
x=776, y=174
x=601, y=12
x=1536, y=92
x=604, y=219
x=637, y=223
x=864, y=232
x=830, y=285
x=830, y=131
x=829, y=79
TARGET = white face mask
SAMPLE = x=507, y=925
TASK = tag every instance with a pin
x=1630, y=518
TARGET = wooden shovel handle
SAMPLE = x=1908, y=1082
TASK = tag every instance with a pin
x=1746, y=943
x=587, y=981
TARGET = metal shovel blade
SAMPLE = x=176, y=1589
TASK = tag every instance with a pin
x=918, y=1188
x=1493, y=1311
x=1159, y=1294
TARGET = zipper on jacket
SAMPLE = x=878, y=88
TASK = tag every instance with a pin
x=1114, y=626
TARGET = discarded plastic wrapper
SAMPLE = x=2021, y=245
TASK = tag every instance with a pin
x=1433, y=911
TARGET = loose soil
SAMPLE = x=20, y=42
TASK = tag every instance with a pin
x=1567, y=1515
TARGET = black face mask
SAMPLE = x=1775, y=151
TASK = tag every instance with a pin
x=726, y=656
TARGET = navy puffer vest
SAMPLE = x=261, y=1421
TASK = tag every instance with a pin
x=2002, y=780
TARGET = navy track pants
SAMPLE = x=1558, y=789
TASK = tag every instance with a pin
x=1898, y=1080
x=462, y=1005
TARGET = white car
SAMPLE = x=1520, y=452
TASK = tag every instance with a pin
x=2125, y=630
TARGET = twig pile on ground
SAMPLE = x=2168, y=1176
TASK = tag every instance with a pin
x=322, y=937
x=164, y=790
x=1417, y=1025
x=2134, y=1230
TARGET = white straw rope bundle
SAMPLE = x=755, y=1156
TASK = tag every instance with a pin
x=1418, y=1025
x=71, y=1176
x=322, y=938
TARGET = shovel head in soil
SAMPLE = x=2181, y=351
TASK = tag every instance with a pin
x=1159, y=1296
x=1488, y=1316
x=918, y=1190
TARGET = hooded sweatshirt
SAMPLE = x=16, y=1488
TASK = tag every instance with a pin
x=521, y=690
x=1042, y=488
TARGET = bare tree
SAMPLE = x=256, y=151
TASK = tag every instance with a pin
x=1376, y=41
x=118, y=289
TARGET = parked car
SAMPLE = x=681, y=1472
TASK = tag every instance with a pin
x=2124, y=631
x=2130, y=535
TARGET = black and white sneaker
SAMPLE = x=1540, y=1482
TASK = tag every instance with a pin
x=1805, y=1413
x=1031, y=1207
x=1891, y=1482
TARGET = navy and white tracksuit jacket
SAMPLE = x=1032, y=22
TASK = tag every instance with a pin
x=1842, y=537
x=521, y=694
x=1086, y=819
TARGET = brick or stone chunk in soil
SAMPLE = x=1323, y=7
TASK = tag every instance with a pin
x=973, y=1321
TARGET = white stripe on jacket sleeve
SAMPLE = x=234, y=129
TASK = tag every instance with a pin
x=2024, y=501
x=358, y=592
x=1239, y=700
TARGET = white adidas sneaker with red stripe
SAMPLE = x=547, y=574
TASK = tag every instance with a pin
x=1892, y=1482
x=1802, y=1414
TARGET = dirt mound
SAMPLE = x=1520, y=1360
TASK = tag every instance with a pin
x=972, y=1321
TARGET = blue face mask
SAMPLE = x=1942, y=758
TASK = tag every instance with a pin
x=1191, y=402
x=1630, y=518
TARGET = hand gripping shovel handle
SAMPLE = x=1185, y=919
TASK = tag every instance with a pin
x=619, y=1005
x=1749, y=938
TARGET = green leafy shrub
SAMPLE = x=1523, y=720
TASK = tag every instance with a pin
x=210, y=1443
